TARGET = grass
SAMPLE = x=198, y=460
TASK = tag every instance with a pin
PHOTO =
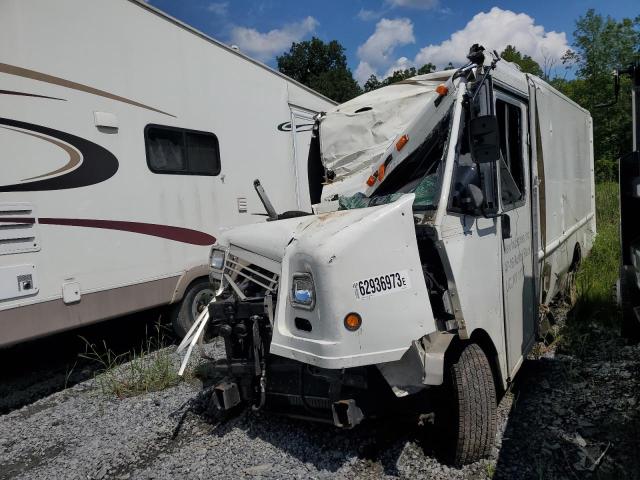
x=490, y=469
x=151, y=368
x=595, y=313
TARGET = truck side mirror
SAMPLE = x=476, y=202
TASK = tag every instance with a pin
x=471, y=198
x=485, y=143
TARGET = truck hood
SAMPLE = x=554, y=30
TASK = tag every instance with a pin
x=267, y=239
x=270, y=239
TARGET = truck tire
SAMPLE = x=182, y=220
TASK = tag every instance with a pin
x=570, y=287
x=470, y=407
x=185, y=312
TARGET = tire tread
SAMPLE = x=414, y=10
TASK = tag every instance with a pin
x=474, y=395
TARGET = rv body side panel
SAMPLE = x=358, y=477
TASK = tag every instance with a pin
x=76, y=99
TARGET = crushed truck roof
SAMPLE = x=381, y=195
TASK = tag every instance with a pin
x=356, y=133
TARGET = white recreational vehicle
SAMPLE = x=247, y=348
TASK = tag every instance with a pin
x=127, y=141
x=455, y=204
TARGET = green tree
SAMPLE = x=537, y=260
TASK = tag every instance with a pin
x=372, y=84
x=525, y=62
x=322, y=67
x=397, y=76
x=601, y=44
x=427, y=68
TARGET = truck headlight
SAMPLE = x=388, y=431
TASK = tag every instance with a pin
x=303, y=293
x=217, y=258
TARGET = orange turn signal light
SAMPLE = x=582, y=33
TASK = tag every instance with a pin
x=442, y=89
x=402, y=141
x=381, y=170
x=371, y=181
x=352, y=321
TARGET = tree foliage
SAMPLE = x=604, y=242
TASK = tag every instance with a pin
x=525, y=62
x=397, y=76
x=601, y=44
x=322, y=67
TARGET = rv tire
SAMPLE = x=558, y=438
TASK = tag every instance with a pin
x=469, y=414
x=196, y=297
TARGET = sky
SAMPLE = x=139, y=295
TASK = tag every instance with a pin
x=385, y=35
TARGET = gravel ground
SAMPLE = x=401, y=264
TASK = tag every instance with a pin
x=561, y=416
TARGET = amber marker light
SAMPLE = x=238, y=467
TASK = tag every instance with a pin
x=402, y=141
x=352, y=321
x=442, y=90
x=381, y=171
x=371, y=180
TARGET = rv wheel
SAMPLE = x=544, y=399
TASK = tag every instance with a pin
x=196, y=298
x=467, y=419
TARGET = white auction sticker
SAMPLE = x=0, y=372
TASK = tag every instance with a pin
x=382, y=284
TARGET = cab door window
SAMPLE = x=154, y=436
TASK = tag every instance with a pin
x=511, y=158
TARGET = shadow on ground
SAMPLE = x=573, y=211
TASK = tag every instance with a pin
x=32, y=370
x=575, y=417
x=383, y=446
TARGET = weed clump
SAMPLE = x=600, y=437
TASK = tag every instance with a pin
x=151, y=368
x=595, y=318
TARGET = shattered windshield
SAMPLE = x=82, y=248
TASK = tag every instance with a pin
x=420, y=173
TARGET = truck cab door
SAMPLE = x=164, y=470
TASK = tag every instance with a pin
x=516, y=230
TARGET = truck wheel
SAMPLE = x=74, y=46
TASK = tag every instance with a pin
x=185, y=312
x=468, y=421
x=570, y=287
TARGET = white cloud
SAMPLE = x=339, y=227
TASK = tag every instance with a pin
x=388, y=5
x=367, y=15
x=401, y=63
x=265, y=46
x=495, y=30
x=363, y=72
x=420, y=4
x=218, y=8
x=377, y=52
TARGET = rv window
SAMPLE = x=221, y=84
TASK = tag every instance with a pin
x=183, y=152
x=202, y=153
x=511, y=163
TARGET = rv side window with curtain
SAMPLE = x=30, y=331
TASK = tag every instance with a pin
x=182, y=152
x=511, y=165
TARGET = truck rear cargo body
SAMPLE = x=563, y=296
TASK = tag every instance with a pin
x=455, y=204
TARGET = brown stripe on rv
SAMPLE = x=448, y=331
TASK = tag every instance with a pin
x=44, y=77
x=74, y=156
x=178, y=234
x=24, y=94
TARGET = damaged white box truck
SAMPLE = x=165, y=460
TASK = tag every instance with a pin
x=452, y=205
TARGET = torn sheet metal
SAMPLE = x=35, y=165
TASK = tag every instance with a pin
x=354, y=135
x=196, y=331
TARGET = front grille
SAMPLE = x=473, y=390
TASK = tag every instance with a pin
x=237, y=271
